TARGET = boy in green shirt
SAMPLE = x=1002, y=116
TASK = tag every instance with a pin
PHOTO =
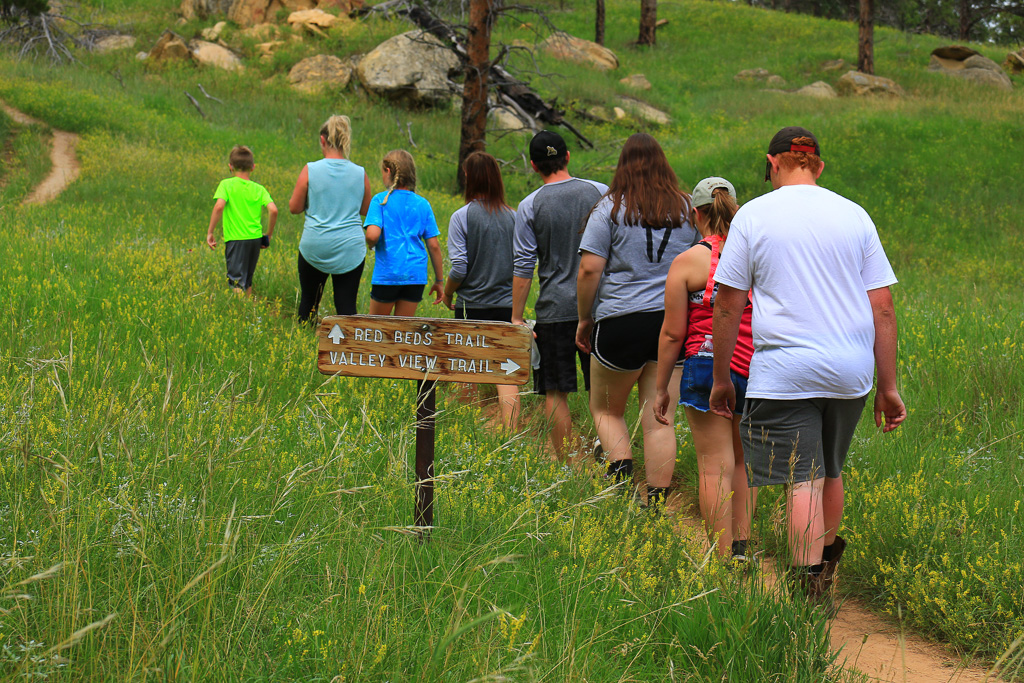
x=240, y=204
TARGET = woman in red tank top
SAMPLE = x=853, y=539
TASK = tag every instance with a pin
x=726, y=503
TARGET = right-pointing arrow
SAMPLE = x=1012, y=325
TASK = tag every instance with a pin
x=509, y=366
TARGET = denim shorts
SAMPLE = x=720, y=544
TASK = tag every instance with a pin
x=695, y=384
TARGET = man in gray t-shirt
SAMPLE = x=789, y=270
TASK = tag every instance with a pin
x=548, y=230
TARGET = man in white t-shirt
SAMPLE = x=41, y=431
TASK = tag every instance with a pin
x=823, y=321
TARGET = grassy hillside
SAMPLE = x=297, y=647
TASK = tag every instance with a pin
x=171, y=449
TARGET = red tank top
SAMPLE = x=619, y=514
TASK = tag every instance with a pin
x=700, y=311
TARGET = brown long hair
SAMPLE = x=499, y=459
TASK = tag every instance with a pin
x=646, y=187
x=483, y=181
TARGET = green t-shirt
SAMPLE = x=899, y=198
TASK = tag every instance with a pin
x=245, y=201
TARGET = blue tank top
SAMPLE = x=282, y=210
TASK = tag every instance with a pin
x=332, y=235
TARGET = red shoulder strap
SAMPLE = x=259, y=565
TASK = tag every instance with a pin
x=716, y=250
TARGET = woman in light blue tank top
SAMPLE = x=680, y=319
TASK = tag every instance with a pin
x=334, y=193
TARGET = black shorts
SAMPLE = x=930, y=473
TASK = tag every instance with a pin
x=558, y=352
x=389, y=294
x=626, y=343
x=241, y=257
x=498, y=315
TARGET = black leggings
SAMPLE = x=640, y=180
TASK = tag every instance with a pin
x=312, y=281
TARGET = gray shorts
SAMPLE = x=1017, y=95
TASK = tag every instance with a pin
x=792, y=441
x=241, y=257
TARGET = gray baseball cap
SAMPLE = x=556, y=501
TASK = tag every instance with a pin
x=702, y=191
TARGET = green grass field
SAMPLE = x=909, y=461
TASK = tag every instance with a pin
x=183, y=496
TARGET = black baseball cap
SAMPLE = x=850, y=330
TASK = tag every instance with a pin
x=783, y=142
x=547, y=145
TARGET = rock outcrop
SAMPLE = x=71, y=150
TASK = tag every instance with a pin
x=857, y=84
x=819, y=89
x=636, y=82
x=577, y=50
x=170, y=47
x=114, y=42
x=644, y=111
x=413, y=67
x=320, y=71
x=247, y=13
x=963, y=62
x=212, y=54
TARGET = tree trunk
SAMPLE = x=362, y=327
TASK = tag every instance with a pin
x=474, y=90
x=964, y=10
x=648, y=20
x=866, y=44
x=599, y=22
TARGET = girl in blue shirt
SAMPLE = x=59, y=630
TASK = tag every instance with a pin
x=400, y=226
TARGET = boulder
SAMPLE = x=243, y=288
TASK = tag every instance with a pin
x=833, y=65
x=212, y=33
x=170, y=47
x=113, y=42
x=636, y=81
x=298, y=5
x=248, y=13
x=502, y=118
x=974, y=68
x=819, y=89
x=312, y=20
x=857, y=84
x=414, y=67
x=957, y=53
x=644, y=111
x=211, y=54
x=572, y=49
x=777, y=81
x=320, y=71
x=268, y=49
x=1014, y=62
x=619, y=112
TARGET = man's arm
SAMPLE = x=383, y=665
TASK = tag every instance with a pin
x=729, y=305
x=520, y=292
x=887, y=397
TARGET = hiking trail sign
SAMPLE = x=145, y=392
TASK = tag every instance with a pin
x=433, y=349
x=429, y=350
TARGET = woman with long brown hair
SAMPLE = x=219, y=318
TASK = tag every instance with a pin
x=480, y=250
x=632, y=236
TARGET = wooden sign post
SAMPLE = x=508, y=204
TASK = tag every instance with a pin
x=428, y=350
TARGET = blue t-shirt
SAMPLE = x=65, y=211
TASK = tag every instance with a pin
x=406, y=222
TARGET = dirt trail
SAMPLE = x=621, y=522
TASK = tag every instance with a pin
x=866, y=642
x=64, y=168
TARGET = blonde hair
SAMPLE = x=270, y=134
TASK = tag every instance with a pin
x=719, y=212
x=403, y=171
x=337, y=133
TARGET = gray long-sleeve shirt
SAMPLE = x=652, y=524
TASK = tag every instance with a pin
x=480, y=249
x=548, y=229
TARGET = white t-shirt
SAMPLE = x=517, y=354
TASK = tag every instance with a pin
x=810, y=256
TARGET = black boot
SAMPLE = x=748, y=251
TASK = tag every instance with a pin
x=830, y=557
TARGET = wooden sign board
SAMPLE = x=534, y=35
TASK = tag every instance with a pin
x=424, y=348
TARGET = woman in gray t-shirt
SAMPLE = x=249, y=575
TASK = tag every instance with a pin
x=632, y=236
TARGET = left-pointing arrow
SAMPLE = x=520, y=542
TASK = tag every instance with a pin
x=509, y=366
x=336, y=335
